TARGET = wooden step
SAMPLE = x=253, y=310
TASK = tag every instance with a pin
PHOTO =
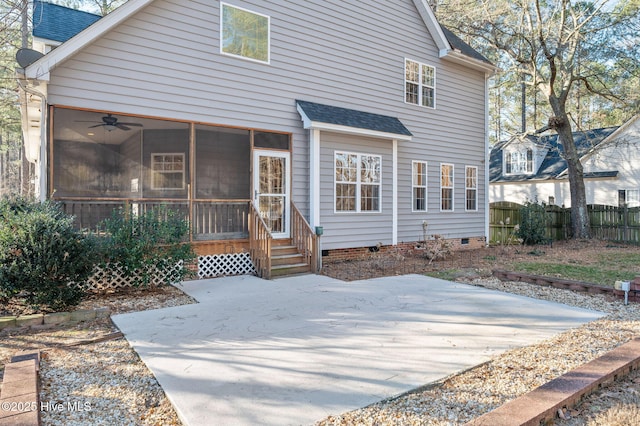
x=283, y=250
x=286, y=259
x=290, y=269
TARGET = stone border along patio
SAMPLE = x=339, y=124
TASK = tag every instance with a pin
x=44, y=321
x=545, y=281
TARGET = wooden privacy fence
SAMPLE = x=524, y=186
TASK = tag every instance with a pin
x=607, y=222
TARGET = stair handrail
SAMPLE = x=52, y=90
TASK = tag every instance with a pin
x=305, y=239
x=260, y=240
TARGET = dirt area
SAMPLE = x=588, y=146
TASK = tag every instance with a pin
x=477, y=262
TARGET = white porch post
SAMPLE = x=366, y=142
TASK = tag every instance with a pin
x=314, y=178
x=394, y=232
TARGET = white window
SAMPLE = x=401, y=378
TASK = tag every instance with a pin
x=471, y=188
x=628, y=198
x=419, y=84
x=419, y=186
x=518, y=162
x=446, y=187
x=244, y=33
x=167, y=171
x=357, y=182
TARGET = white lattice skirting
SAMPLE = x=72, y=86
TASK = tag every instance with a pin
x=219, y=265
x=112, y=279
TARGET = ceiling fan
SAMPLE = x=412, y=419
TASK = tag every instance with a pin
x=109, y=122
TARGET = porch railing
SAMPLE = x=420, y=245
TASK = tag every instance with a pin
x=209, y=219
x=260, y=241
x=304, y=238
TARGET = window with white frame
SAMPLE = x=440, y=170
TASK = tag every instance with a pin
x=244, y=33
x=446, y=187
x=167, y=171
x=357, y=182
x=471, y=188
x=419, y=84
x=419, y=186
x=629, y=198
x=518, y=162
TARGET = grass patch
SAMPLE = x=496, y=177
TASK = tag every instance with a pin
x=596, y=274
x=448, y=274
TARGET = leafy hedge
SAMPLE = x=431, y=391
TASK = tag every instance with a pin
x=41, y=252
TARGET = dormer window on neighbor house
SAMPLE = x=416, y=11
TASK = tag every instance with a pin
x=518, y=162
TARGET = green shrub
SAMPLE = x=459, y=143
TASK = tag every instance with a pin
x=147, y=246
x=533, y=224
x=41, y=254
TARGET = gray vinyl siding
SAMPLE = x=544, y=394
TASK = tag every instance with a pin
x=351, y=229
x=165, y=62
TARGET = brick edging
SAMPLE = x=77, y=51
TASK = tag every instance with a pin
x=547, y=281
x=20, y=398
x=541, y=404
x=43, y=321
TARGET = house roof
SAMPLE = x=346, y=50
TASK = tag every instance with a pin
x=553, y=164
x=59, y=23
x=327, y=117
x=458, y=44
x=455, y=50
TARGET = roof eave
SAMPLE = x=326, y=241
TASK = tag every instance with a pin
x=40, y=69
x=460, y=58
x=433, y=25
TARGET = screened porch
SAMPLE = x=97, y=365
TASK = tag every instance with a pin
x=102, y=161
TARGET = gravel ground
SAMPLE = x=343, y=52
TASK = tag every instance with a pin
x=113, y=386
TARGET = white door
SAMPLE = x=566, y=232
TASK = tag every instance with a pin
x=271, y=190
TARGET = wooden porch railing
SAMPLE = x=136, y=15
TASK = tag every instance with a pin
x=260, y=240
x=304, y=238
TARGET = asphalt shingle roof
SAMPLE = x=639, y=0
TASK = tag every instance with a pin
x=458, y=44
x=553, y=164
x=353, y=118
x=59, y=23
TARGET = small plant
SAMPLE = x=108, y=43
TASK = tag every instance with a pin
x=533, y=223
x=147, y=247
x=41, y=254
x=436, y=246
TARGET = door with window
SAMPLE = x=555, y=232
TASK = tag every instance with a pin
x=271, y=190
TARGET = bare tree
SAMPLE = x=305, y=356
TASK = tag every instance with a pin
x=557, y=47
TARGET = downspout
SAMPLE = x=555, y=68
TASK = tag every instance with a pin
x=486, y=160
x=41, y=162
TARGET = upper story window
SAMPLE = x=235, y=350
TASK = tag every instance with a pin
x=518, y=162
x=357, y=182
x=419, y=84
x=244, y=33
x=167, y=171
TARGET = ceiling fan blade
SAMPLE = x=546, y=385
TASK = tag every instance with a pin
x=97, y=125
x=121, y=126
x=132, y=124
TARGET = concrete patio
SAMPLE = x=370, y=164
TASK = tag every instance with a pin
x=294, y=350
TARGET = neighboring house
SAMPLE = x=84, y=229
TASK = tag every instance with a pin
x=368, y=120
x=531, y=168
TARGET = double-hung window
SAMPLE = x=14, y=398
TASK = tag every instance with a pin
x=244, y=33
x=357, y=182
x=419, y=84
x=419, y=186
x=167, y=171
x=471, y=188
x=446, y=187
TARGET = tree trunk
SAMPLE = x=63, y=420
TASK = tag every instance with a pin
x=580, y=225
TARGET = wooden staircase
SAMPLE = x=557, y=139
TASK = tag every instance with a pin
x=286, y=259
x=280, y=257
